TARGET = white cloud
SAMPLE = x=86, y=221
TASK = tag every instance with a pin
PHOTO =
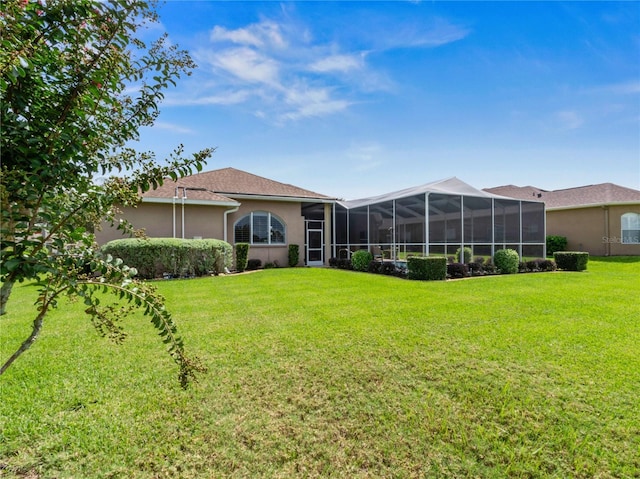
x=257, y=35
x=247, y=64
x=420, y=35
x=227, y=98
x=309, y=102
x=282, y=75
x=339, y=63
x=172, y=127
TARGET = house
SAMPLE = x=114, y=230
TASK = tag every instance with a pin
x=237, y=207
x=435, y=218
x=602, y=219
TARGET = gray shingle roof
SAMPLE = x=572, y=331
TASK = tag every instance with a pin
x=224, y=184
x=600, y=194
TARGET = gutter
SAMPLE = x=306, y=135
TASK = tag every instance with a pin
x=593, y=205
x=301, y=199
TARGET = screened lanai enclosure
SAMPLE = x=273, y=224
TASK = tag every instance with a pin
x=437, y=219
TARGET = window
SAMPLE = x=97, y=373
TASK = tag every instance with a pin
x=259, y=227
x=630, y=228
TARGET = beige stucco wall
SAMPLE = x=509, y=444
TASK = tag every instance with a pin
x=596, y=230
x=207, y=222
x=157, y=220
x=290, y=214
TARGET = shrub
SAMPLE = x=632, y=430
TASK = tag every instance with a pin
x=333, y=262
x=457, y=270
x=361, y=259
x=375, y=267
x=537, y=265
x=556, y=243
x=489, y=268
x=294, y=255
x=254, y=264
x=476, y=269
x=171, y=257
x=430, y=268
x=388, y=268
x=242, y=256
x=546, y=265
x=466, y=254
x=344, y=263
x=506, y=261
x=571, y=260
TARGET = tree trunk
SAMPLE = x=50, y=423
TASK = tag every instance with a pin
x=37, y=326
x=5, y=292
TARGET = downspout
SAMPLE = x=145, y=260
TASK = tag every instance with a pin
x=173, y=205
x=607, y=242
x=226, y=214
x=184, y=195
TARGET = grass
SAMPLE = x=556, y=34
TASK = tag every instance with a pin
x=332, y=373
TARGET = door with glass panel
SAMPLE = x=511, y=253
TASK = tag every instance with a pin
x=315, y=243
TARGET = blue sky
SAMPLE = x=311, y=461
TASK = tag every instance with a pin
x=353, y=99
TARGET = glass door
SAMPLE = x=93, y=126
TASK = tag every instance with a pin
x=315, y=243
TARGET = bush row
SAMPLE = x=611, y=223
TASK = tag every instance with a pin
x=171, y=257
x=505, y=261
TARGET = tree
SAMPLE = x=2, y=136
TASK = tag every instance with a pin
x=76, y=85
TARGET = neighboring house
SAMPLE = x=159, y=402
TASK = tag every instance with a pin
x=435, y=218
x=236, y=206
x=603, y=219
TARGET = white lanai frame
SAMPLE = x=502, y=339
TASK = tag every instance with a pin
x=477, y=219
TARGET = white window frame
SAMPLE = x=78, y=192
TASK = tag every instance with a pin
x=269, y=216
x=630, y=222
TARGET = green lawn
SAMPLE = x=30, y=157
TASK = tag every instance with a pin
x=332, y=373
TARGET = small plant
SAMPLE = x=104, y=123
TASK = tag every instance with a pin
x=464, y=255
x=375, y=267
x=361, y=259
x=457, y=270
x=556, y=243
x=476, y=269
x=506, y=261
x=344, y=263
x=571, y=260
x=294, y=255
x=388, y=268
x=242, y=256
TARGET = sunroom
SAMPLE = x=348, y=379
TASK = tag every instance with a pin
x=438, y=219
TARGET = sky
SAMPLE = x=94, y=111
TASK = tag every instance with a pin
x=361, y=98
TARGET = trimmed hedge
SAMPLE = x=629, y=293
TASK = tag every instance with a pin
x=429, y=268
x=171, y=257
x=571, y=260
x=507, y=261
x=294, y=255
x=242, y=256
